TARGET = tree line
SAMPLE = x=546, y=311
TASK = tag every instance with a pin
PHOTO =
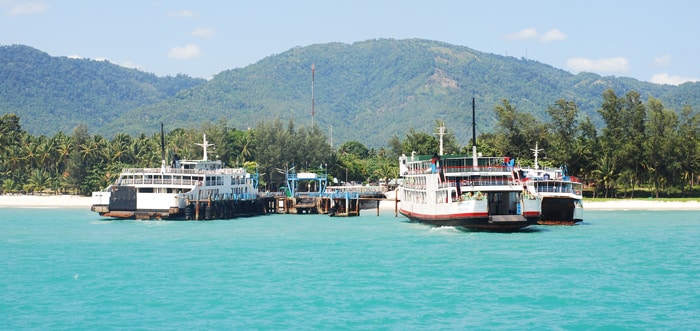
x=642, y=146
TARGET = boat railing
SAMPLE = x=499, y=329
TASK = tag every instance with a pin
x=157, y=181
x=554, y=187
x=228, y=171
x=483, y=181
x=460, y=169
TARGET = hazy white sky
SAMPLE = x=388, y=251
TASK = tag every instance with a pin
x=653, y=41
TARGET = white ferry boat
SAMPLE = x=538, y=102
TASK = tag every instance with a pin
x=187, y=189
x=466, y=191
x=562, y=195
x=471, y=192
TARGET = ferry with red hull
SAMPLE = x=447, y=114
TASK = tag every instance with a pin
x=467, y=191
x=478, y=193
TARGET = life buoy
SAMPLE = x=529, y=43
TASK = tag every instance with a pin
x=465, y=182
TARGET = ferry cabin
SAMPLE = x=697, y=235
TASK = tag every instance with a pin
x=462, y=190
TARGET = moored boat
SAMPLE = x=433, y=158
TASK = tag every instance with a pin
x=562, y=199
x=186, y=190
x=561, y=194
x=467, y=191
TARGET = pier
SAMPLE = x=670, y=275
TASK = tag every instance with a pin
x=308, y=193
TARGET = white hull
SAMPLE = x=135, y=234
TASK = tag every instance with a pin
x=562, y=199
x=180, y=192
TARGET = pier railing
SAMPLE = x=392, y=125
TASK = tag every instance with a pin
x=357, y=189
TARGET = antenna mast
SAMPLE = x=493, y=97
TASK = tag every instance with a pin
x=204, y=145
x=536, y=151
x=313, y=69
x=441, y=134
x=162, y=148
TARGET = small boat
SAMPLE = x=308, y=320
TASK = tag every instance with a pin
x=466, y=191
x=186, y=190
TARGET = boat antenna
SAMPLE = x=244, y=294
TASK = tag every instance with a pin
x=536, y=151
x=474, y=157
x=162, y=147
x=204, y=145
x=313, y=69
x=441, y=134
x=474, y=123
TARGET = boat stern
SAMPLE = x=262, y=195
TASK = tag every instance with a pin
x=100, y=201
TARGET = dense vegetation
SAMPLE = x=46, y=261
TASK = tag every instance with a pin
x=642, y=144
x=54, y=94
x=366, y=91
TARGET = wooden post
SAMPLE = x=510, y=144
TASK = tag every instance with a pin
x=196, y=208
x=396, y=204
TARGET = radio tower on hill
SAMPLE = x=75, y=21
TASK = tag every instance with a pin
x=313, y=69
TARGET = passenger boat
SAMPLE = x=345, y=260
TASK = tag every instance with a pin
x=186, y=190
x=471, y=192
x=562, y=198
x=561, y=194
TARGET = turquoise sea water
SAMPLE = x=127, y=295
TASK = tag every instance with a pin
x=70, y=269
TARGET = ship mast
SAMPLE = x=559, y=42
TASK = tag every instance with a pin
x=441, y=133
x=204, y=145
x=474, y=157
x=536, y=151
x=313, y=69
x=162, y=148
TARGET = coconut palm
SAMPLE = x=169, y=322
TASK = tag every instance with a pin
x=38, y=181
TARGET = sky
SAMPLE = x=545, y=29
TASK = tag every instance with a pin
x=653, y=41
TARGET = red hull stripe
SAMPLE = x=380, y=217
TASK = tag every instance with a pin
x=445, y=216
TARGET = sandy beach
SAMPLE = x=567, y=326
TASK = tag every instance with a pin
x=74, y=201
x=44, y=201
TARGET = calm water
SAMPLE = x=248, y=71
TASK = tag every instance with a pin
x=69, y=269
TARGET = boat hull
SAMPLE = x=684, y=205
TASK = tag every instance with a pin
x=124, y=202
x=474, y=221
x=561, y=211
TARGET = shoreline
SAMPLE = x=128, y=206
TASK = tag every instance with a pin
x=75, y=201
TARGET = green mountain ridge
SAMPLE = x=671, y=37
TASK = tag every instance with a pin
x=366, y=91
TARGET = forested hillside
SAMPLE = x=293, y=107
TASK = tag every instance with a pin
x=366, y=91
x=53, y=94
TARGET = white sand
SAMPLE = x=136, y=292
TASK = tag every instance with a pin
x=47, y=200
x=641, y=204
x=74, y=201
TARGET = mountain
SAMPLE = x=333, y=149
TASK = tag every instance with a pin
x=53, y=94
x=366, y=91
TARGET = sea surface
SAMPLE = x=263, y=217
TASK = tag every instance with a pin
x=69, y=269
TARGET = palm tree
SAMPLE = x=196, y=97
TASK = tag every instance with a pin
x=120, y=149
x=38, y=181
x=9, y=186
x=386, y=171
x=605, y=173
